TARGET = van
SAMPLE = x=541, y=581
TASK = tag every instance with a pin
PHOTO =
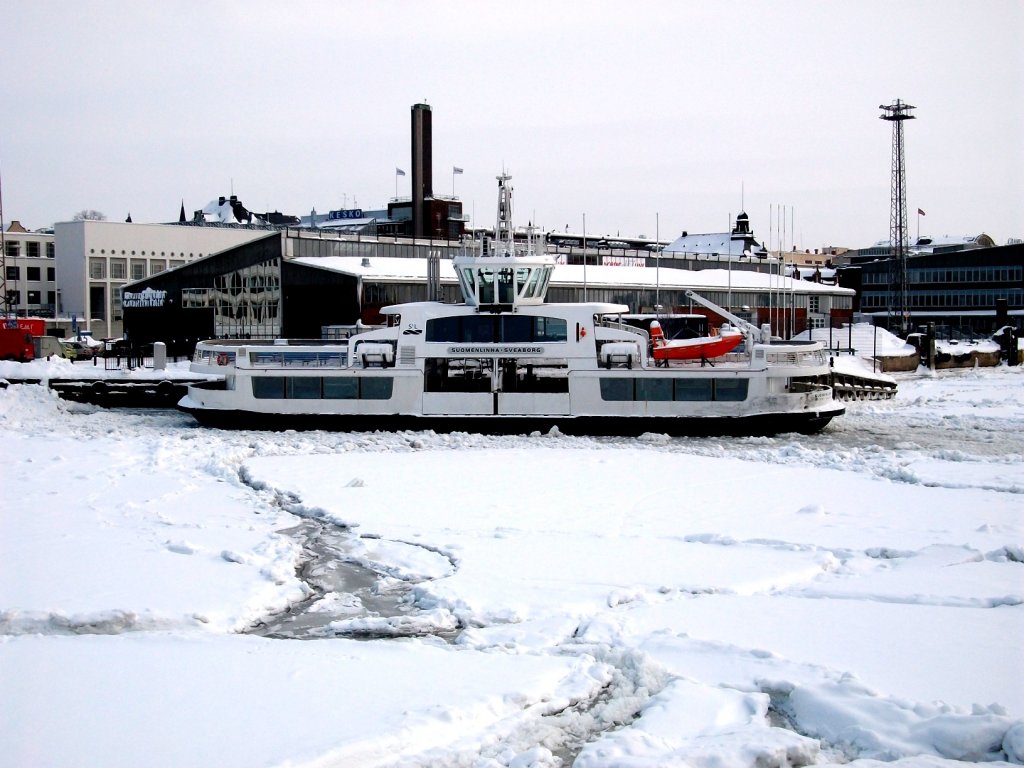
x=47, y=346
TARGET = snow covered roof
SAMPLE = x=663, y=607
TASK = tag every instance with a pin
x=723, y=243
x=826, y=273
x=395, y=269
x=219, y=212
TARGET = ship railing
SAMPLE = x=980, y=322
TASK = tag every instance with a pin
x=797, y=358
x=333, y=358
x=801, y=387
x=620, y=326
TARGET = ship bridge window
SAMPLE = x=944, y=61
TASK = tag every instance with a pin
x=531, y=288
x=466, y=279
x=522, y=275
x=485, y=283
x=506, y=292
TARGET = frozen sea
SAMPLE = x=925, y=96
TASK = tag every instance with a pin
x=177, y=596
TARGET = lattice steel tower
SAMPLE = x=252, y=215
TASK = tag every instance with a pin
x=898, y=309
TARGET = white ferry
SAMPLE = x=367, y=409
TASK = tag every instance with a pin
x=504, y=360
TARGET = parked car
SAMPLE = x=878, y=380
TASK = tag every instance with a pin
x=78, y=350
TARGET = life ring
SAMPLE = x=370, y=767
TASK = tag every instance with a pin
x=222, y=358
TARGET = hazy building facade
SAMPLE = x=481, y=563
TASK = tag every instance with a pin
x=96, y=259
x=30, y=274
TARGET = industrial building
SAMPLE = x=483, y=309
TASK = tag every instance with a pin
x=308, y=284
x=977, y=290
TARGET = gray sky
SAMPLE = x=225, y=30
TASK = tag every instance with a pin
x=636, y=114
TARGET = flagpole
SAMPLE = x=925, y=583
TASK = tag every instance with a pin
x=657, y=264
x=728, y=234
x=584, y=257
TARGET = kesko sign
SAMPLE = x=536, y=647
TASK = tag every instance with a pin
x=146, y=298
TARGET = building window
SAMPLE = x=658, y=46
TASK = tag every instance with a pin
x=97, y=269
x=138, y=269
x=118, y=269
x=13, y=273
x=13, y=250
x=33, y=274
x=51, y=251
x=34, y=297
x=247, y=302
x=195, y=298
x=51, y=274
x=32, y=249
x=813, y=303
x=13, y=298
x=156, y=268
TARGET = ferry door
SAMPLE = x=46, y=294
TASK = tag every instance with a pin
x=520, y=392
x=459, y=387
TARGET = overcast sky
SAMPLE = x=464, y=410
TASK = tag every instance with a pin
x=637, y=115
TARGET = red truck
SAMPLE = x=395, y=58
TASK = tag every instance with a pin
x=15, y=343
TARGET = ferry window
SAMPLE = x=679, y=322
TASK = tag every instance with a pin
x=506, y=294
x=376, y=388
x=522, y=275
x=550, y=329
x=731, y=389
x=443, y=329
x=341, y=389
x=654, y=389
x=531, y=289
x=617, y=389
x=466, y=279
x=268, y=387
x=486, y=285
x=478, y=329
x=304, y=387
x=517, y=329
x=693, y=389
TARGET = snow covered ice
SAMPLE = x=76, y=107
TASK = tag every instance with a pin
x=851, y=597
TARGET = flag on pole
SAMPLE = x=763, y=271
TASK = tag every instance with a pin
x=456, y=169
x=920, y=212
x=399, y=172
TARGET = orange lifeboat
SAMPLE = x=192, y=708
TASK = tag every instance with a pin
x=701, y=348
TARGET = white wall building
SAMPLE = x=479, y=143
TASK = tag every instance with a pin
x=95, y=259
x=30, y=271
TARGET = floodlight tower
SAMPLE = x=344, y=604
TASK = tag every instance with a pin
x=898, y=310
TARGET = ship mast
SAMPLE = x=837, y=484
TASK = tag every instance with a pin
x=503, y=226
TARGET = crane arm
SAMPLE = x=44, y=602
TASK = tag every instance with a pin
x=748, y=328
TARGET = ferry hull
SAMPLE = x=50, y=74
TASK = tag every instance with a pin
x=760, y=424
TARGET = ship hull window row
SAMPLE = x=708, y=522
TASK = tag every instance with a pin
x=693, y=390
x=322, y=388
